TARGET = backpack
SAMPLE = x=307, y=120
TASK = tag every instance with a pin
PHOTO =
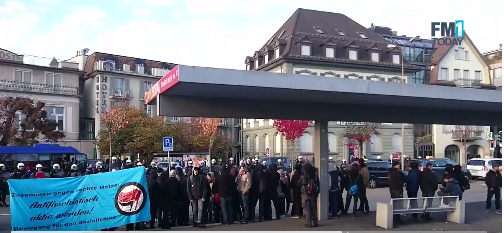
x=354, y=189
x=313, y=187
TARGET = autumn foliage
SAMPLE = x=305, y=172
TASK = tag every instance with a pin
x=361, y=132
x=34, y=124
x=291, y=129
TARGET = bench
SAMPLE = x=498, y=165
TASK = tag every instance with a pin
x=454, y=208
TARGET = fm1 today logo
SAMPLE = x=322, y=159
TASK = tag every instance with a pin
x=451, y=32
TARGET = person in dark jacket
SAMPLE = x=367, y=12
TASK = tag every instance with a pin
x=451, y=188
x=225, y=183
x=461, y=178
x=183, y=216
x=171, y=193
x=196, y=189
x=364, y=172
x=310, y=187
x=274, y=182
x=354, y=178
x=20, y=172
x=396, y=185
x=428, y=185
x=413, y=184
x=493, y=181
x=4, y=186
x=163, y=211
x=154, y=197
x=297, y=209
x=334, y=188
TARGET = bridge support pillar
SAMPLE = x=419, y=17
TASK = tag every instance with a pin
x=321, y=152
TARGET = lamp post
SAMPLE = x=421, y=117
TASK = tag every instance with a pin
x=110, y=147
x=402, y=75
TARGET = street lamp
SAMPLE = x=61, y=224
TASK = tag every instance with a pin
x=402, y=75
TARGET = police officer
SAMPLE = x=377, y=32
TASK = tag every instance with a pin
x=99, y=167
x=114, y=164
x=128, y=164
x=139, y=164
x=4, y=186
x=39, y=169
x=20, y=172
x=57, y=172
x=74, y=171
x=189, y=167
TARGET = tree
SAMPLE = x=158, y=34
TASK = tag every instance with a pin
x=291, y=130
x=422, y=140
x=208, y=127
x=361, y=132
x=34, y=122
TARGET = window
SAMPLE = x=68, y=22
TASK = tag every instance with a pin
x=457, y=56
x=266, y=143
x=329, y=52
x=305, y=50
x=498, y=73
x=56, y=113
x=333, y=142
x=22, y=76
x=340, y=32
x=476, y=162
x=375, y=143
x=362, y=35
x=266, y=58
x=466, y=55
x=146, y=86
x=277, y=53
x=456, y=74
x=465, y=74
x=248, y=143
x=375, y=57
x=118, y=86
x=256, y=144
x=305, y=143
x=257, y=63
x=396, y=59
x=444, y=74
x=53, y=79
x=446, y=128
x=352, y=54
x=396, y=142
x=477, y=75
x=278, y=145
x=318, y=29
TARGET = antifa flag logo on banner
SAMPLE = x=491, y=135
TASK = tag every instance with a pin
x=130, y=198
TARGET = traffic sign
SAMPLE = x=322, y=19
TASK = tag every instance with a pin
x=490, y=136
x=167, y=144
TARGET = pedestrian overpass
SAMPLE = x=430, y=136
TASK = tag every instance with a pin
x=189, y=91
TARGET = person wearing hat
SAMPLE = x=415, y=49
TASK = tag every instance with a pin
x=154, y=196
x=493, y=181
x=196, y=185
x=114, y=164
x=297, y=209
x=396, y=185
x=334, y=188
x=171, y=189
x=153, y=167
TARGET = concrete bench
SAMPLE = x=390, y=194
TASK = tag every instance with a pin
x=451, y=205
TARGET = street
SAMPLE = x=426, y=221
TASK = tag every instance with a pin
x=476, y=216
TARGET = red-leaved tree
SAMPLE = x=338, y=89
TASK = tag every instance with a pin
x=23, y=121
x=361, y=132
x=208, y=127
x=291, y=130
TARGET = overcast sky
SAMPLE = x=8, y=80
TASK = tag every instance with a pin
x=213, y=33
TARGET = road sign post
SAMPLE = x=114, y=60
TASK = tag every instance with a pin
x=167, y=147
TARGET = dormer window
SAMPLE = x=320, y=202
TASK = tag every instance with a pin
x=329, y=52
x=247, y=66
x=306, y=50
x=396, y=59
x=257, y=63
x=375, y=56
x=352, y=54
x=340, y=32
x=318, y=30
x=266, y=60
x=362, y=35
x=277, y=53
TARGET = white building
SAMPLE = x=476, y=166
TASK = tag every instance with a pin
x=462, y=66
x=111, y=80
x=56, y=83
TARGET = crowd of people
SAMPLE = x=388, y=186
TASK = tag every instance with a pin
x=227, y=193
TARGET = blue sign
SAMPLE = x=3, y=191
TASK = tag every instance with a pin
x=167, y=144
x=86, y=203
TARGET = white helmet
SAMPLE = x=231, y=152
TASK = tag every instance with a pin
x=37, y=166
x=114, y=158
x=128, y=161
x=20, y=165
x=113, y=170
x=248, y=160
x=73, y=167
x=2, y=165
x=264, y=163
x=343, y=160
x=213, y=161
x=139, y=164
x=189, y=162
x=256, y=159
x=56, y=166
x=231, y=159
x=330, y=158
x=279, y=160
x=152, y=163
x=300, y=157
x=99, y=163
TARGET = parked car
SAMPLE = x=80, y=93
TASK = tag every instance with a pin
x=378, y=173
x=480, y=166
x=439, y=166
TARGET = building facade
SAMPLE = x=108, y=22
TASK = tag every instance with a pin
x=56, y=83
x=460, y=65
x=334, y=46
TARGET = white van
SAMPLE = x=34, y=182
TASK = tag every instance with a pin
x=480, y=166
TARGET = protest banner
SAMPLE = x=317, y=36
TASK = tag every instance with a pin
x=86, y=203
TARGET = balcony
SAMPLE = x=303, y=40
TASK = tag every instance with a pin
x=468, y=133
x=420, y=58
x=225, y=122
x=39, y=88
x=467, y=82
x=121, y=94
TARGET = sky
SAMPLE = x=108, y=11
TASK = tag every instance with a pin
x=213, y=33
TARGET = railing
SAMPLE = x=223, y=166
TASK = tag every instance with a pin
x=86, y=136
x=225, y=122
x=39, y=88
x=467, y=82
x=467, y=132
x=120, y=93
x=420, y=58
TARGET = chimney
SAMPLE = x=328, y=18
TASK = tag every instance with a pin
x=394, y=33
